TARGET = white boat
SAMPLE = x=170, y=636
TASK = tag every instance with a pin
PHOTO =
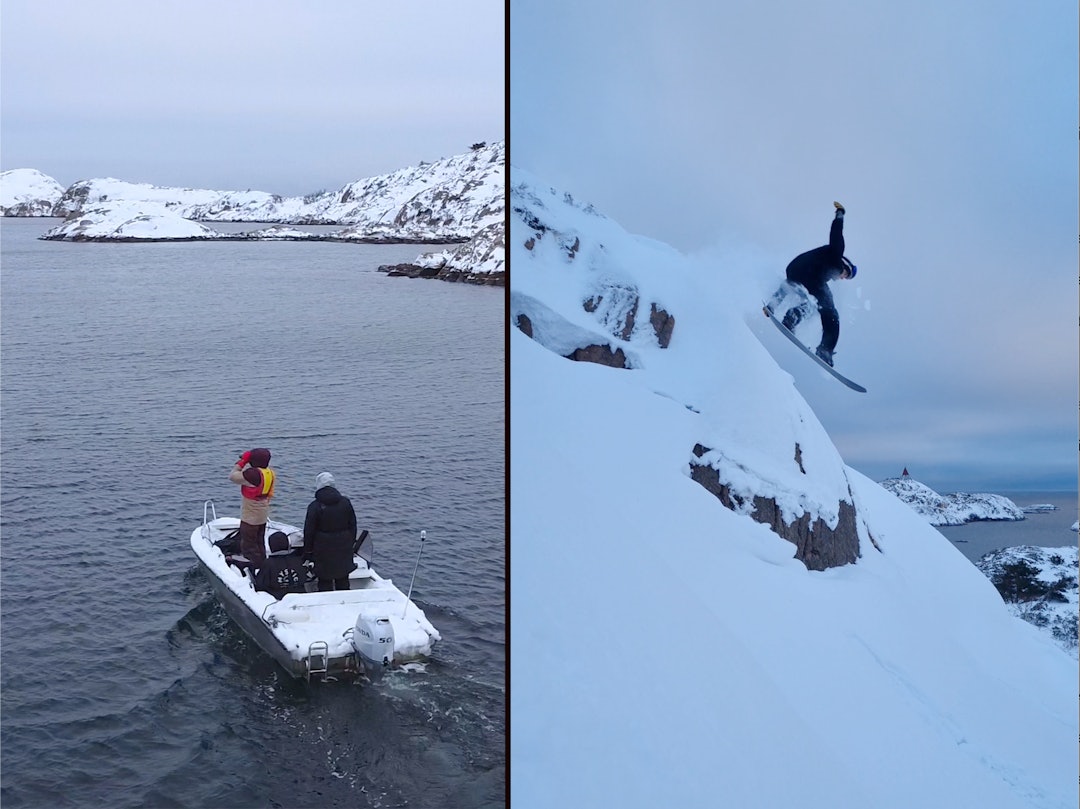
x=371, y=625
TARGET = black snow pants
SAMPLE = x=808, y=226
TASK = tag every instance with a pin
x=830, y=319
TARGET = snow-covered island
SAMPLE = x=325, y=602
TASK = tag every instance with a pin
x=957, y=508
x=28, y=192
x=730, y=608
x=457, y=200
x=1038, y=508
x=1040, y=586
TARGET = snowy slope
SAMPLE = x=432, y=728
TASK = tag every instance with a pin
x=28, y=192
x=957, y=508
x=668, y=650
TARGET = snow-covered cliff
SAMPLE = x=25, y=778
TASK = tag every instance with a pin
x=708, y=605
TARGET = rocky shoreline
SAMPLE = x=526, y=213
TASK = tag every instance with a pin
x=497, y=278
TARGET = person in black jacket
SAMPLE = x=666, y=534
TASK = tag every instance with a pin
x=329, y=532
x=283, y=571
x=813, y=270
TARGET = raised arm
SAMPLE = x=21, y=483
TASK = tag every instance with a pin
x=836, y=233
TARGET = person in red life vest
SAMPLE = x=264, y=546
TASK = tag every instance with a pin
x=256, y=480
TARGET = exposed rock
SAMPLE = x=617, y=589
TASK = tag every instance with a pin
x=444, y=274
x=817, y=546
x=601, y=355
x=408, y=271
x=617, y=308
x=663, y=324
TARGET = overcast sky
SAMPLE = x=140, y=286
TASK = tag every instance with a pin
x=949, y=130
x=276, y=96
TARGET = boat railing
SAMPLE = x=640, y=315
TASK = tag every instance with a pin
x=207, y=508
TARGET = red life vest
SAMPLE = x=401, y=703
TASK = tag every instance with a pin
x=264, y=491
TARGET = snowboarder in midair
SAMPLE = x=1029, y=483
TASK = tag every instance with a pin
x=813, y=270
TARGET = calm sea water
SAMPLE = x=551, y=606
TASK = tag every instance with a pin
x=132, y=376
x=1050, y=529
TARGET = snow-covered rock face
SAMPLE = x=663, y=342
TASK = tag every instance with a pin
x=481, y=260
x=587, y=290
x=28, y=192
x=952, y=509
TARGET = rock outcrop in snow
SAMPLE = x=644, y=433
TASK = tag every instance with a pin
x=481, y=260
x=952, y=509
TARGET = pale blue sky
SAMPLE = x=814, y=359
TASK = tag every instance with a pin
x=276, y=96
x=948, y=129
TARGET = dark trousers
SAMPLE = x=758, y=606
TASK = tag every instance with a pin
x=830, y=319
x=326, y=585
x=252, y=545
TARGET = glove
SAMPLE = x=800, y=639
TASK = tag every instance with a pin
x=839, y=208
x=244, y=458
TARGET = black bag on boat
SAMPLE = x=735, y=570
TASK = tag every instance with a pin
x=230, y=543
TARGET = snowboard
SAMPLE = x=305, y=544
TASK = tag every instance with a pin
x=788, y=334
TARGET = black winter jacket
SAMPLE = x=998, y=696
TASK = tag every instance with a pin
x=281, y=574
x=329, y=533
x=814, y=268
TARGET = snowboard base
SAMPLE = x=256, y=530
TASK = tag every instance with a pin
x=855, y=386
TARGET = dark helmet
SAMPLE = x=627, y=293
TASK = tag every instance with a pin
x=849, y=265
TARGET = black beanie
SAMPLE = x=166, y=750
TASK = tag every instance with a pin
x=259, y=458
x=278, y=542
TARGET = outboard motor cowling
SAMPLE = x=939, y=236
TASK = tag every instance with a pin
x=373, y=639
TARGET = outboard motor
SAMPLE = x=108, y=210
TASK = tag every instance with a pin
x=373, y=639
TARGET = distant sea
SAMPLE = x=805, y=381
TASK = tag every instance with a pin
x=132, y=377
x=1051, y=529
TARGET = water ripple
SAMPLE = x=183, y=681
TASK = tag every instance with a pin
x=130, y=383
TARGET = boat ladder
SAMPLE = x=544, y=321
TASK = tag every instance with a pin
x=318, y=659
